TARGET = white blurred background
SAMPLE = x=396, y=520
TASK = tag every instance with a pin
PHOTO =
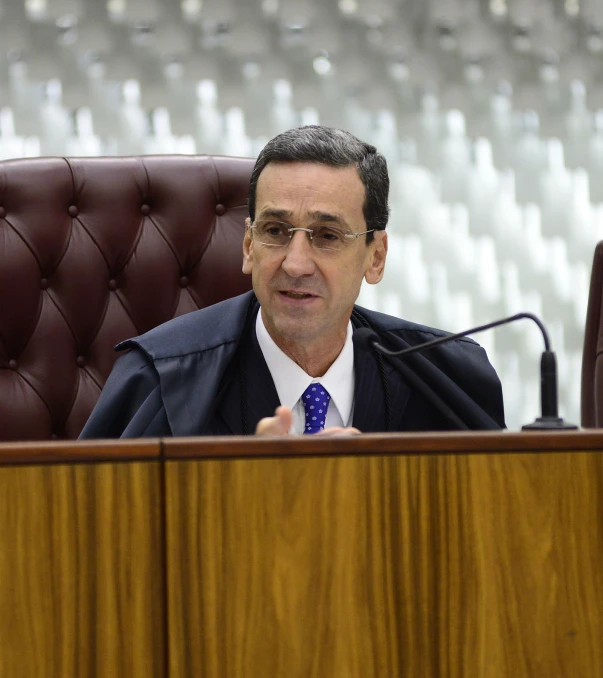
x=490, y=113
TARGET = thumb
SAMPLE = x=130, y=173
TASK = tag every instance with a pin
x=278, y=425
x=285, y=419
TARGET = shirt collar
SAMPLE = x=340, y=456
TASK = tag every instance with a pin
x=291, y=381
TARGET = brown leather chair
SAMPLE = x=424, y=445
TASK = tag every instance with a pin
x=592, y=358
x=95, y=250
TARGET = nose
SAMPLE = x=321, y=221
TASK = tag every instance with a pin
x=299, y=260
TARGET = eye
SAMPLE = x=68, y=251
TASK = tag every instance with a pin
x=328, y=234
x=272, y=228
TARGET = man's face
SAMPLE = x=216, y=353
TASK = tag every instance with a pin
x=307, y=295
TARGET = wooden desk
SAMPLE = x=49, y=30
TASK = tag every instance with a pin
x=81, y=561
x=409, y=555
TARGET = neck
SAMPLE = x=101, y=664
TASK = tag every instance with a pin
x=315, y=358
x=308, y=360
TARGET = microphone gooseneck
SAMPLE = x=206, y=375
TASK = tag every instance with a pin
x=373, y=341
x=549, y=419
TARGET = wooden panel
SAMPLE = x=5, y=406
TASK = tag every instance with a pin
x=428, y=565
x=470, y=442
x=78, y=451
x=81, y=569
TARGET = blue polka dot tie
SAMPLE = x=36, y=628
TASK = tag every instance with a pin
x=316, y=403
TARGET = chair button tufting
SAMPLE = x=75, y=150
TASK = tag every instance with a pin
x=2, y=212
x=112, y=284
x=54, y=436
x=145, y=209
x=184, y=281
x=81, y=361
x=12, y=364
x=220, y=209
x=44, y=283
x=73, y=211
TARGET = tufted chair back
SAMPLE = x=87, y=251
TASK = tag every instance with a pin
x=96, y=250
x=592, y=357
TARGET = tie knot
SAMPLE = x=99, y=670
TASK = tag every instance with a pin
x=316, y=402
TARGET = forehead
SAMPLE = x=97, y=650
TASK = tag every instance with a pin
x=309, y=187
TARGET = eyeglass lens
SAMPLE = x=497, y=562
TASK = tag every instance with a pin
x=322, y=237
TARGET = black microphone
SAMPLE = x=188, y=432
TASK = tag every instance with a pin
x=548, y=421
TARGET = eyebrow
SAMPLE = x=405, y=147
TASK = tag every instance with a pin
x=326, y=217
x=274, y=213
x=316, y=216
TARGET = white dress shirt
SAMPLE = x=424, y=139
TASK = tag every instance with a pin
x=291, y=381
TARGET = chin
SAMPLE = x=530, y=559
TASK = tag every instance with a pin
x=298, y=331
x=295, y=329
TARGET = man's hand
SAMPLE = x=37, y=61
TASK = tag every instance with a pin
x=281, y=423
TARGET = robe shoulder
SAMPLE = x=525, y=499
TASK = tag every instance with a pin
x=166, y=382
x=195, y=332
x=381, y=322
x=463, y=360
x=130, y=404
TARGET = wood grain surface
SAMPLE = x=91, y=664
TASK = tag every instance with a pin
x=79, y=451
x=81, y=571
x=470, y=442
x=433, y=565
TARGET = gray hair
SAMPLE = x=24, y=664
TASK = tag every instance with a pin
x=336, y=148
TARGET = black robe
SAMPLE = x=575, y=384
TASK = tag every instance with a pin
x=204, y=374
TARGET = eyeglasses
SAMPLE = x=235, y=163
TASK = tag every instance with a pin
x=321, y=237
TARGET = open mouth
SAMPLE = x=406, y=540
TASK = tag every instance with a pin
x=297, y=295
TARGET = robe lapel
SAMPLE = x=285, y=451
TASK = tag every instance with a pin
x=369, y=400
x=262, y=398
x=369, y=395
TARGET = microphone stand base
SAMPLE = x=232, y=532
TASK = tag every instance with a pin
x=549, y=424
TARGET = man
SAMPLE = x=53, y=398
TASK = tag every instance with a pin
x=281, y=360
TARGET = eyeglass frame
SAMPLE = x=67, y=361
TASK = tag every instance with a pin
x=309, y=231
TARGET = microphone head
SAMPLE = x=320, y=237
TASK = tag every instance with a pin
x=364, y=338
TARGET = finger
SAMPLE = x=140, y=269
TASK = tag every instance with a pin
x=269, y=426
x=285, y=418
x=278, y=425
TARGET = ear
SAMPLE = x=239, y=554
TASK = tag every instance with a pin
x=247, y=248
x=377, y=256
